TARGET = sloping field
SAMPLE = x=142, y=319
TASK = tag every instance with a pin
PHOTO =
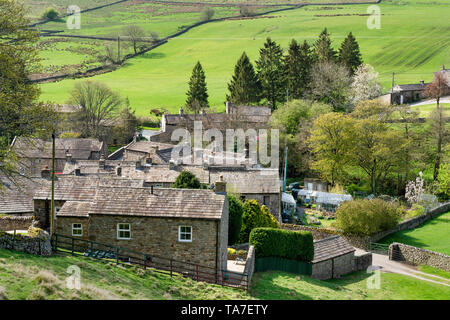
x=413, y=42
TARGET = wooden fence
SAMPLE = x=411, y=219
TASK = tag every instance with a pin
x=172, y=267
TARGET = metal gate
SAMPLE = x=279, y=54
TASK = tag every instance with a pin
x=380, y=248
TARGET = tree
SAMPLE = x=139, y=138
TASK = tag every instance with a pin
x=255, y=216
x=187, y=180
x=244, y=87
x=236, y=210
x=329, y=142
x=330, y=84
x=127, y=123
x=436, y=90
x=20, y=112
x=349, y=54
x=98, y=103
x=298, y=63
x=207, y=14
x=135, y=34
x=270, y=72
x=50, y=14
x=364, y=84
x=197, y=95
x=322, y=50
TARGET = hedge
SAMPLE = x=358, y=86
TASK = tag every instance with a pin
x=295, y=245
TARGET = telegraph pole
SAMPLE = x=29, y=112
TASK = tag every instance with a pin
x=52, y=204
x=118, y=49
x=286, y=146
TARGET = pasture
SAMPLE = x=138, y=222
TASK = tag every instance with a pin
x=413, y=42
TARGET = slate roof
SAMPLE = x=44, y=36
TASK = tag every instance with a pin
x=17, y=198
x=74, y=209
x=249, y=181
x=180, y=203
x=410, y=87
x=37, y=148
x=146, y=146
x=331, y=247
x=73, y=188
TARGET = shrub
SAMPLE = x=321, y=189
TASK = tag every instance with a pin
x=366, y=217
x=416, y=210
x=235, y=219
x=187, y=180
x=294, y=245
x=255, y=216
x=207, y=14
x=50, y=14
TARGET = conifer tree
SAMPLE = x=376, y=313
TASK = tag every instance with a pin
x=197, y=95
x=323, y=52
x=271, y=72
x=298, y=64
x=349, y=54
x=244, y=87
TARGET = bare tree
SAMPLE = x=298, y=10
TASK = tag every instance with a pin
x=135, y=34
x=98, y=103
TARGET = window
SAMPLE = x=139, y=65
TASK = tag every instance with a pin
x=266, y=200
x=77, y=229
x=158, y=185
x=185, y=234
x=123, y=231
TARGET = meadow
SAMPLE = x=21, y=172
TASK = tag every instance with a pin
x=413, y=42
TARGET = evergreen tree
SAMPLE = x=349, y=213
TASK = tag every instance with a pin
x=323, y=52
x=349, y=54
x=197, y=96
x=270, y=72
x=244, y=87
x=298, y=64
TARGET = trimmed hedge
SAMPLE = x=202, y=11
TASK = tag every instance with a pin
x=295, y=245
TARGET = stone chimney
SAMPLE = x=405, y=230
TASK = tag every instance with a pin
x=148, y=160
x=171, y=164
x=68, y=157
x=220, y=186
x=46, y=173
x=101, y=162
x=422, y=82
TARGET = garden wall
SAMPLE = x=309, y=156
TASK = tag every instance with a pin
x=250, y=264
x=414, y=255
x=9, y=223
x=39, y=245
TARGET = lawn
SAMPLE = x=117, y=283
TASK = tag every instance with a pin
x=286, y=286
x=413, y=42
x=432, y=235
x=425, y=110
x=25, y=276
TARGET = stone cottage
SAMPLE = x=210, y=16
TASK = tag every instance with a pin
x=36, y=154
x=180, y=224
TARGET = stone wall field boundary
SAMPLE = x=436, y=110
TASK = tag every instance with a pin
x=250, y=264
x=9, y=223
x=417, y=256
x=39, y=245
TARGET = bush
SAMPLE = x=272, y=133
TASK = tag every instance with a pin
x=255, y=216
x=187, y=180
x=294, y=245
x=207, y=14
x=366, y=217
x=236, y=210
x=50, y=14
x=416, y=210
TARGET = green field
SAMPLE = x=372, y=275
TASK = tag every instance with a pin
x=432, y=235
x=24, y=276
x=413, y=41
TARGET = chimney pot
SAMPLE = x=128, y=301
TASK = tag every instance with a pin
x=228, y=107
x=220, y=186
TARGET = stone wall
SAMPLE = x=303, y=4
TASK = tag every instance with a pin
x=318, y=233
x=63, y=225
x=334, y=267
x=363, y=261
x=414, y=255
x=9, y=223
x=39, y=245
x=42, y=211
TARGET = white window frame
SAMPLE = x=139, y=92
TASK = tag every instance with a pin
x=184, y=233
x=123, y=230
x=80, y=228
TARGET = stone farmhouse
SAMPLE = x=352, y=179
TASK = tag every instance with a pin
x=235, y=117
x=181, y=224
x=35, y=154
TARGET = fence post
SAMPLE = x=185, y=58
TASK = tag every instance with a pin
x=171, y=268
x=196, y=271
x=73, y=243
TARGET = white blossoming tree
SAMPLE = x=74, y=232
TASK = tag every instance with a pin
x=365, y=85
x=414, y=190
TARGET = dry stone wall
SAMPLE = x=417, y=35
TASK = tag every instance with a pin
x=8, y=223
x=417, y=256
x=39, y=245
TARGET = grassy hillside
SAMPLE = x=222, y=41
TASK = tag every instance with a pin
x=413, y=41
x=24, y=276
x=432, y=235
